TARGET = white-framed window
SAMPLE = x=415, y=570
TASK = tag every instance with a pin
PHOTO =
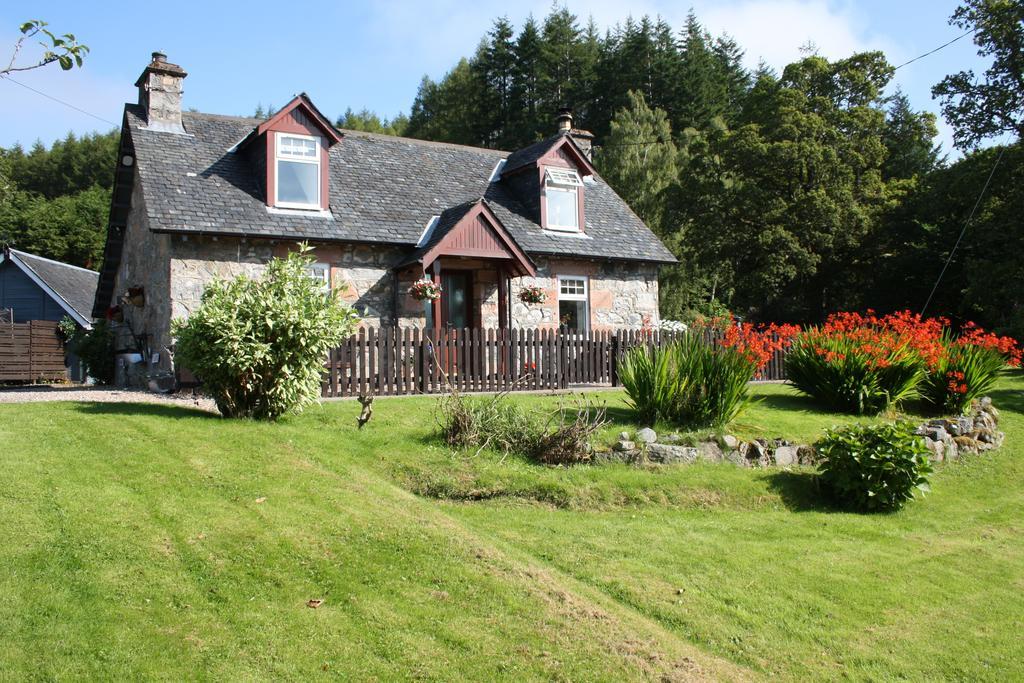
x=574, y=302
x=321, y=274
x=561, y=194
x=297, y=171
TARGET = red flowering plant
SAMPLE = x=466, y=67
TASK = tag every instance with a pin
x=758, y=343
x=967, y=368
x=864, y=362
x=861, y=363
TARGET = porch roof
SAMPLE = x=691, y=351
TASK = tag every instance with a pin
x=471, y=229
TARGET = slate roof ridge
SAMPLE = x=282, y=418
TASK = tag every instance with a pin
x=72, y=287
x=426, y=143
x=51, y=261
x=358, y=133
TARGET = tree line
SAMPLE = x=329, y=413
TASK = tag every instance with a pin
x=785, y=196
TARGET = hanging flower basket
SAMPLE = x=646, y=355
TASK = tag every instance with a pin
x=425, y=290
x=533, y=295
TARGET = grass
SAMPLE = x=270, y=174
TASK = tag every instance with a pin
x=158, y=542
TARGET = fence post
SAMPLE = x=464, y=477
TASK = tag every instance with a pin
x=614, y=370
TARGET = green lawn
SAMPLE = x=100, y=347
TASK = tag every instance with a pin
x=146, y=541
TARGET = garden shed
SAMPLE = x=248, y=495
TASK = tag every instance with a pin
x=41, y=292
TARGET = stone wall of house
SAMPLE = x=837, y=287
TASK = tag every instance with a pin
x=146, y=328
x=363, y=273
x=622, y=295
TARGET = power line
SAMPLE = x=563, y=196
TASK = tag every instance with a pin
x=963, y=231
x=59, y=101
x=931, y=52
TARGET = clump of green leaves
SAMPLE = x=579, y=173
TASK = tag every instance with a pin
x=64, y=49
x=94, y=347
x=258, y=345
x=690, y=382
x=873, y=468
x=962, y=374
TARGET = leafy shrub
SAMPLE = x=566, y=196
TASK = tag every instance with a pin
x=94, y=347
x=964, y=373
x=864, y=363
x=689, y=382
x=857, y=364
x=967, y=367
x=258, y=345
x=496, y=423
x=843, y=373
x=873, y=467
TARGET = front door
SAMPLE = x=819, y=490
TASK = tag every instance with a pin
x=456, y=299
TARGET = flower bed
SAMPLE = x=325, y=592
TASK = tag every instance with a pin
x=865, y=363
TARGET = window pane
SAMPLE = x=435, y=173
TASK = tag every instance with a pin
x=562, y=208
x=573, y=286
x=298, y=183
x=573, y=315
x=296, y=147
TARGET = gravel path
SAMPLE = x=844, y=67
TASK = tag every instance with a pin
x=70, y=392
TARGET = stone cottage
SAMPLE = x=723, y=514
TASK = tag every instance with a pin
x=200, y=196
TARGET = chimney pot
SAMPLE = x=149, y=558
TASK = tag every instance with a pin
x=159, y=57
x=564, y=120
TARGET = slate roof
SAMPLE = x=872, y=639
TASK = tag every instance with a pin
x=383, y=189
x=448, y=219
x=531, y=153
x=76, y=286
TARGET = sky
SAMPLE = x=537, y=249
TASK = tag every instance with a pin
x=374, y=54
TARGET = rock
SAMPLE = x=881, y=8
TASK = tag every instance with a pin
x=951, y=452
x=985, y=402
x=806, y=455
x=669, y=455
x=937, y=448
x=728, y=442
x=671, y=438
x=963, y=425
x=646, y=436
x=623, y=436
x=785, y=456
x=935, y=433
x=710, y=451
x=624, y=446
x=757, y=453
x=737, y=457
x=966, y=444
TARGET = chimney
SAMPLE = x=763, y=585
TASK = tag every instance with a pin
x=584, y=139
x=160, y=94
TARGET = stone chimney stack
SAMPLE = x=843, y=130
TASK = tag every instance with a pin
x=160, y=94
x=584, y=139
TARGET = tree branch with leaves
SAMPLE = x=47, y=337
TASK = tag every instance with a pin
x=64, y=49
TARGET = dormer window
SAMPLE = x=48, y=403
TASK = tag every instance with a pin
x=298, y=171
x=562, y=197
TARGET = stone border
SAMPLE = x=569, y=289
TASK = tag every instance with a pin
x=946, y=438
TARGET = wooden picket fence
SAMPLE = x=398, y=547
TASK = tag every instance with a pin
x=392, y=361
x=31, y=352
